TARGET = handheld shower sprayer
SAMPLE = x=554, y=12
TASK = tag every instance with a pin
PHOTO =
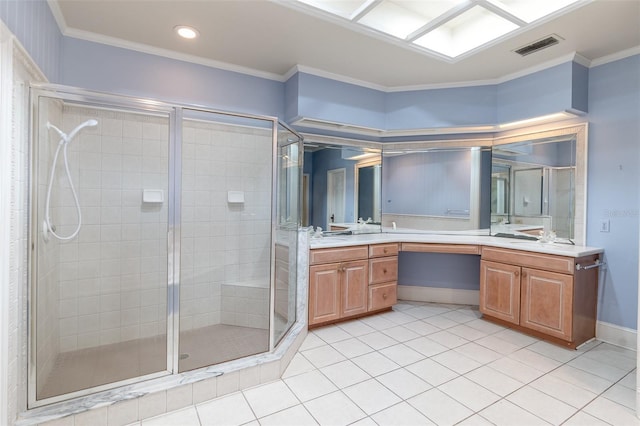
x=65, y=139
x=74, y=132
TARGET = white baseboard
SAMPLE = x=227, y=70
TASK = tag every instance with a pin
x=438, y=295
x=616, y=335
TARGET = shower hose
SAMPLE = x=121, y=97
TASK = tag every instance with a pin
x=62, y=145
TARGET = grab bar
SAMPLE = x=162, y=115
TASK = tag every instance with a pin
x=596, y=264
x=459, y=212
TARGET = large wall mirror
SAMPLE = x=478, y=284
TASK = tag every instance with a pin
x=513, y=184
x=437, y=187
x=538, y=185
x=341, y=185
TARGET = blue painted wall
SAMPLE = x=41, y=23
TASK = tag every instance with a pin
x=440, y=270
x=291, y=96
x=35, y=27
x=544, y=92
x=559, y=88
x=112, y=69
x=426, y=183
x=613, y=177
x=465, y=106
x=339, y=102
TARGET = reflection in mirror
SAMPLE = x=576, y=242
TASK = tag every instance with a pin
x=535, y=180
x=437, y=189
x=368, y=181
x=341, y=184
x=499, y=189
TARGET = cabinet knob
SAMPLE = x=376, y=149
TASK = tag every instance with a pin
x=384, y=250
x=516, y=273
x=384, y=271
x=524, y=274
x=384, y=295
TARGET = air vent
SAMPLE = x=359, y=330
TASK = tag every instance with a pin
x=538, y=45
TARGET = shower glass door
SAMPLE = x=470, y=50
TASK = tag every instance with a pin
x=288, y=204
x=100, y=218
x=163, y=239
x=225, y=237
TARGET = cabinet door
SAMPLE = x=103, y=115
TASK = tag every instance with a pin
x=324, y=293
x=355, y=280
x=547, y=299
x=500, y=291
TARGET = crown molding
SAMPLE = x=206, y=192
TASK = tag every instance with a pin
x=341, y=78
x=58, y=15
x=166, y=53
x=616, y=56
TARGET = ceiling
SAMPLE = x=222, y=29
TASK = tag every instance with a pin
x=270, y=38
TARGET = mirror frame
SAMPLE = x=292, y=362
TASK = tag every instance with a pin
x=580, y=191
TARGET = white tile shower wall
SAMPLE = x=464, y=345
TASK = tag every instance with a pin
x=225, y=243
x=113, y=276
x=245, y=306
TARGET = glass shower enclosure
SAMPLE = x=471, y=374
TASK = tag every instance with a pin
x=163, y=239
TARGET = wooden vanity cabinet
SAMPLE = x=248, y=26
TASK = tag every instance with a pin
x=338, y=281
x=539, y=293
x=347, y=282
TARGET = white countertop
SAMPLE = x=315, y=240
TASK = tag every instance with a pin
x=484, y=240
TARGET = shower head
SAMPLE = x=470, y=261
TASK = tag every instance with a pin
x=88, y=123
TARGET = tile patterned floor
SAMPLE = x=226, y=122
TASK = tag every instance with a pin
x=426, y=364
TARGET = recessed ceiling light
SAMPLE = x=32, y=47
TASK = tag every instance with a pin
x=185, y=31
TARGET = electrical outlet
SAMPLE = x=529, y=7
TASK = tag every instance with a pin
x=604, y=225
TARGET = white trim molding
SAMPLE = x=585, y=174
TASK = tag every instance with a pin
x=616, y=335
x=6, y=89
x=439, y=295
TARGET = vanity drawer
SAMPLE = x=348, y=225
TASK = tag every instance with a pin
x=338, y=254
x=441, y=248
x=383, y=296
x=383, y=269
x=547, y=262
x=381, y=250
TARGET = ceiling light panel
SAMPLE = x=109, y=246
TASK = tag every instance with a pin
x=391, y=18
x=401, y=18
x=347, y=9
x=471, y=29
x=530, y=11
